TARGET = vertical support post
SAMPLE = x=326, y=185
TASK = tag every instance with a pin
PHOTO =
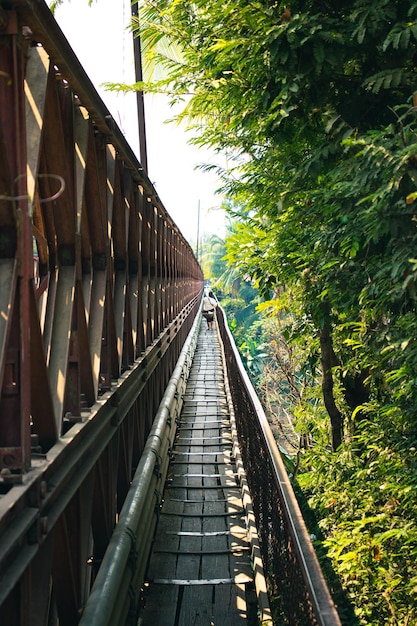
x=137, y=51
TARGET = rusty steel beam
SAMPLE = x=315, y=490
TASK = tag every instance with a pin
x=98, y=291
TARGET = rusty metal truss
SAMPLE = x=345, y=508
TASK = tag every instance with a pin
x=98, y=291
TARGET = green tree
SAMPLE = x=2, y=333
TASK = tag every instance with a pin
x=314, y=107
x=213, y=252
x=238, y=298
x=315, y=76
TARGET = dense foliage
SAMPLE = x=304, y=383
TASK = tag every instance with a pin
x=314, y=102
x=238, y=298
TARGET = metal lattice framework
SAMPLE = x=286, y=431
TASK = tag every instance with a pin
x=98, y=291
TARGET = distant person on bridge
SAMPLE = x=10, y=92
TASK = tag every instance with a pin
x=209, y=305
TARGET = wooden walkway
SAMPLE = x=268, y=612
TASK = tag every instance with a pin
x=201, y=572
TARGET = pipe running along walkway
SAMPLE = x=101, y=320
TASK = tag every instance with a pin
x=205, y=553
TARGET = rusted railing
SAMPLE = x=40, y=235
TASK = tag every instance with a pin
x=98, y=292
x=297, y=590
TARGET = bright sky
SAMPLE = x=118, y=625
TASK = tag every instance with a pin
x=99, y=38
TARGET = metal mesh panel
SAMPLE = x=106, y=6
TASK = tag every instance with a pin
x=297, y=591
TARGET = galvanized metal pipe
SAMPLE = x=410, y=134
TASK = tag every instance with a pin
x=110, y=587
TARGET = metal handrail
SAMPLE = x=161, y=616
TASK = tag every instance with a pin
x=298, y=592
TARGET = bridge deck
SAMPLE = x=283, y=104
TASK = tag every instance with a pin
x=200, y=569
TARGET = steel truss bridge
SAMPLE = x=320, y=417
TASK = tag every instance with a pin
x=100, y=303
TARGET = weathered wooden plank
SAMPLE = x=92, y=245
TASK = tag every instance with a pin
x=165, y=565
x=196, y=606
x=162, y=566
x=215, y=565
x=229, y=606
x=217, y=488
x=160, y=605
x=203, y=521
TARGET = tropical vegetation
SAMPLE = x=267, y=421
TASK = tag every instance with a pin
x=314, y=104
